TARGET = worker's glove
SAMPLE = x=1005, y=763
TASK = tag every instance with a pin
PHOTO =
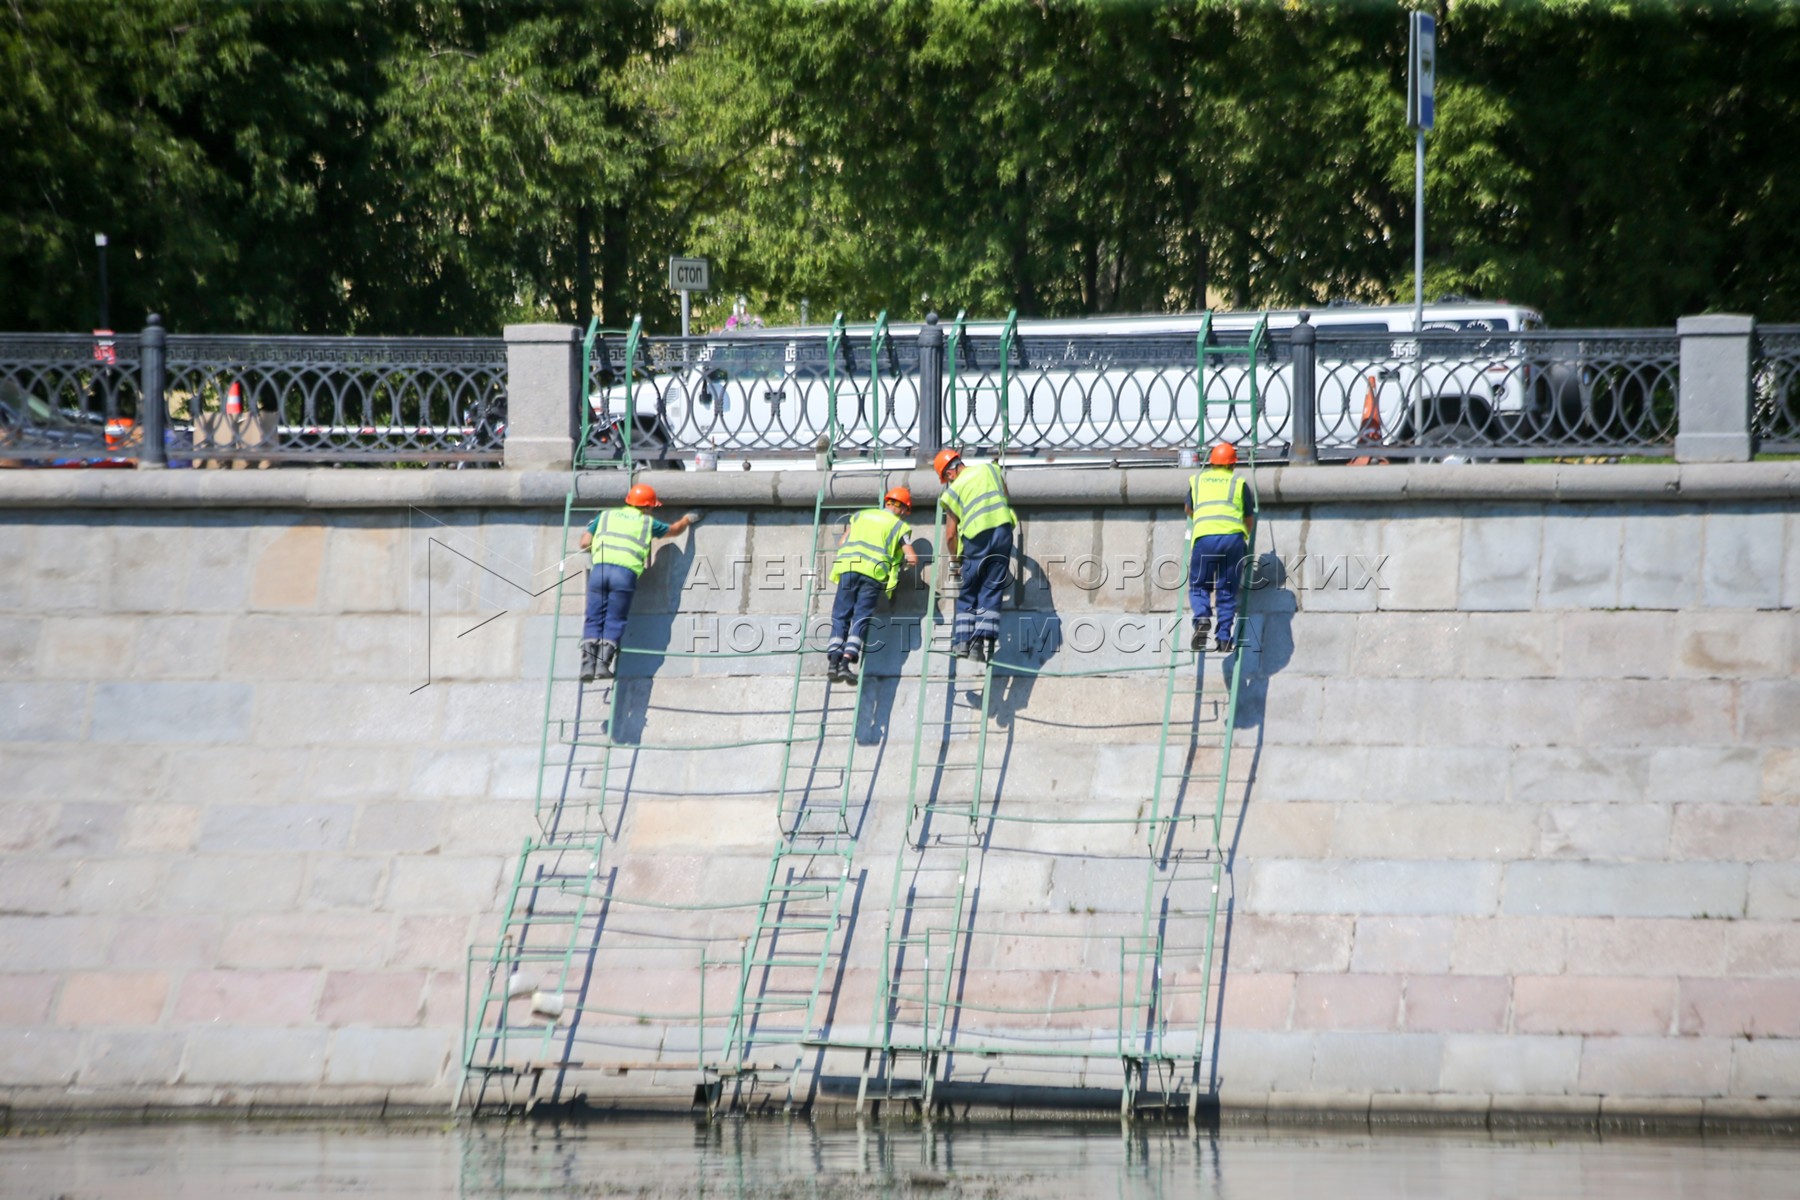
x=693, y=518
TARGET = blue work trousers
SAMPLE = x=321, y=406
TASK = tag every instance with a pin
x=1216, y=564
x=986, y=574
x=851, y=613
x=610, y=591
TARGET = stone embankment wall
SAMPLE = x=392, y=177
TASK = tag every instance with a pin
x=1516, y=821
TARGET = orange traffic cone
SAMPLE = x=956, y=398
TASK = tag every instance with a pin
x=1368, y=433
x=234, y=402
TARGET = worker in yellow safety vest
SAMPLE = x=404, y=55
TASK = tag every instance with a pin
x=620, y=540
x=978, y=528
x=875, y=546
x=1219, y=542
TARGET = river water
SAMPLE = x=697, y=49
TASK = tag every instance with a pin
x=776, y=1159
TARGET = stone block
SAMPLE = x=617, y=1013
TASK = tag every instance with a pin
x=1583, y=889
x=161, y=829
x=1593, y=1005
x=1258, y=1063
x=43, y=712
x=39, y=1057
x=113, y=998
x=238, y=884
x=1769, y=712
x=1581, y=775
x=1507, y=645
x=429, y=941
x=1773, y=891
x=444, y=885
x=161, y=940
x=1765, y=1068
x=1735, y=832
x=1657, y=560
x=1741, y=567
x=133, y=1059
x=415, y=828
x=1604, y=831
x=372, y=998
x=1407, y=645
x=206, y=712
x=26, y=999
x=1581, y=560
x=72, y=569
x=1340, y=566
x=1780, y=779
x=41, y=943
x=1661, y=1067
x=291, y=828
x=1509, y=945
x=659, y=822
x=1721, y=774
x=1437, y=774
x=1256, y=1001
x=1378, y=1062
x=490, y=713
x=406, y=1057
x=1762, y=949
x=181, y=646
x=360, y=773
x=112, y=885
x=1402, y=945
x=334, y=882
x=443, y=774
x=85, y=647
x=218, y=569
x=247, y=1057
x=263, y=648
x=1288, y=944
x=145, y=572
x=1734, y=645
x=341, y=714
x=1623, y=946
x=1510, y=1064
x=238, y=999
x=1347, y=1002
x=1654, y=713
x=1456, y=1003
x=365, y=561
x=1287, y=831
x=1618, y=645
x=286, y=571
x=288, y=939
x=1747, y=1008
x=1433, y=831
x=18, y=559
x=1393, y=887
x=1423, y=555
x=1500, y=553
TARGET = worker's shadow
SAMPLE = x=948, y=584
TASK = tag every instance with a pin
x=1034, y=637
x=648, y=637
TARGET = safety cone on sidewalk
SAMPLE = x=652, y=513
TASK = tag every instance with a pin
x=234, y=401
x=1368, y=433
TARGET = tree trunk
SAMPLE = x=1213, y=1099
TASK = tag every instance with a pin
x=615, y=263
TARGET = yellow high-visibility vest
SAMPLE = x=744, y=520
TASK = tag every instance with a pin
x=1217, y=498
x=977, y=499
x=622, y=539
x=875, y=546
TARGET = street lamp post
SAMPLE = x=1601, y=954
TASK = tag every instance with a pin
x=100, y=248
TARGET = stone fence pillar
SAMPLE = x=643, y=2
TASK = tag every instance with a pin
x=1716, y=392
x=543, y=394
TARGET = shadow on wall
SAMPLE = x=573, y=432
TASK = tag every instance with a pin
x=1268, y=647
x=648, y=636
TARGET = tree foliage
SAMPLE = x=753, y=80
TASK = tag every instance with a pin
x=421, y=166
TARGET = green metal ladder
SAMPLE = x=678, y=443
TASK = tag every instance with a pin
x=801, y=912
x=1186, y=855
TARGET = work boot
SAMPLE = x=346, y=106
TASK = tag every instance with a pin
x=984, y=649
x=1202, y=628
x=609, y=654
x=1224, y=645
x=846, y=670
x=959, y=649
x=590, y=660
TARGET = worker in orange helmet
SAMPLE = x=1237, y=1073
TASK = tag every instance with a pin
x=875, y=546
x=978, y=528
x=620, y=540
x=1219, y=542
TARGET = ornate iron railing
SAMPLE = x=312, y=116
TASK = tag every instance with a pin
x=305, y=399
x=767, y=395
x=69, y=398
x=1499, y=395
x=1775, y=421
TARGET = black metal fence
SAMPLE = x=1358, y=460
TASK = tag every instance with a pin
x=86, y=401
x=1775, y=418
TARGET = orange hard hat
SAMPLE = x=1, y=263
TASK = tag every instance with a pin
x=642, y=495
x=1223, y=455
x=942, y=462
x=899, y=495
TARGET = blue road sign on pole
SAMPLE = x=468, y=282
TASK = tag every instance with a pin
x=1421, y=72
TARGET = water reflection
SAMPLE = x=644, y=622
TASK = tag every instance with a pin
x=780, y=1159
